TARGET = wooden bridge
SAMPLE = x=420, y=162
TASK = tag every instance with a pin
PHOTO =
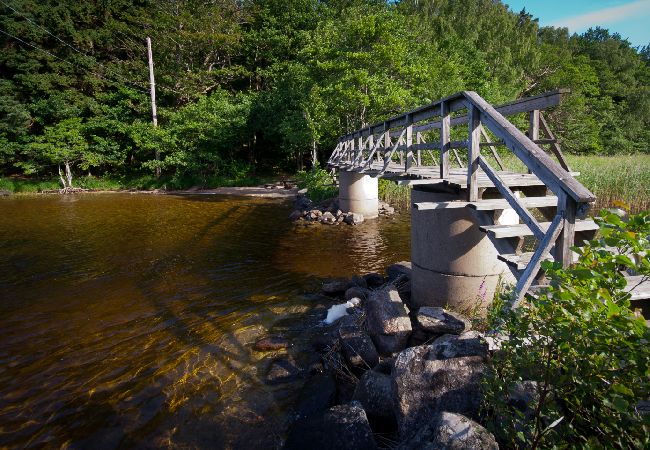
x=417, y=148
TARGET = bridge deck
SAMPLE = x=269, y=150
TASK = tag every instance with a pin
x=431, y=175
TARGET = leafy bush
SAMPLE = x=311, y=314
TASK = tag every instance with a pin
x=319, y=183
x=582, y=344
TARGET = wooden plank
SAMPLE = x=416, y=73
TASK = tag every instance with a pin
x=445, y=140
x=502, y=203
x=533, y=266
x=555, y=147
x=388, y=158
x=533, y=125
x=565, y=241
x=554, y=176
x=493, y=149
x=520, y=262
x=512, y=199
x=409, y=142
x=638, y=286
x=458, y=160
x=425, y=206
x=473, y=152
x=508, y=231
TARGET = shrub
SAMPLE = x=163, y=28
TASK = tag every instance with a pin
x=319, y=183
x=582, y=344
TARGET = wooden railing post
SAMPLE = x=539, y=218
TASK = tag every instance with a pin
x=565, y=240
x=359, y=151
x=445, y=139
x=473, y=152
x=386, y=141
x=533, y=125
x=409, y=142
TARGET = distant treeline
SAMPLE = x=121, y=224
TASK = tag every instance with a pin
x=247, y=85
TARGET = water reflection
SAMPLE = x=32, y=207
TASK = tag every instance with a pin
x=127, y=319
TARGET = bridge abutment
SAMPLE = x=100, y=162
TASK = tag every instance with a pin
x=454, y=263
x=359, y=193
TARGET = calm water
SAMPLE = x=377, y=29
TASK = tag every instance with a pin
x=127, y=320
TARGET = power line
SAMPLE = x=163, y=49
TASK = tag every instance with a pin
x=56, y=57
x=93, y=60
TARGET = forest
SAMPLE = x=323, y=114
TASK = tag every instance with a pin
x=250, y=87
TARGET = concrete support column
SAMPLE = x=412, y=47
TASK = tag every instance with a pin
x=454, y=263
x=359, y=193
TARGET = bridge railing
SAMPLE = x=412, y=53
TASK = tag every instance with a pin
x=372, y=149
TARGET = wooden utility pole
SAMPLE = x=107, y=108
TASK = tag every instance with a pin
x=152, y=83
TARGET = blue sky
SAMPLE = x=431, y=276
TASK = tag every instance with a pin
x=629, y=18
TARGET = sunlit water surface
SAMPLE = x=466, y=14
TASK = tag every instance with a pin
x=128, y=320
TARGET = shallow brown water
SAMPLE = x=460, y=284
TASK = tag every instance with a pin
x=127, y=320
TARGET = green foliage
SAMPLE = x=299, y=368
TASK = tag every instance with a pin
x=580, y=341
x=319, y=183
x=394, y=195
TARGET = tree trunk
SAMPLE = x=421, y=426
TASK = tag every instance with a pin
x=68, y=174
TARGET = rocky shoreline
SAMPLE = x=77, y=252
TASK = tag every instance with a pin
x=327, y=212
x=390, y=374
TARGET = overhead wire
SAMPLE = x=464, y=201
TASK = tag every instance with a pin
x=93, y=60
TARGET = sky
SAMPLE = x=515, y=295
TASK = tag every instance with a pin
x=629, y=18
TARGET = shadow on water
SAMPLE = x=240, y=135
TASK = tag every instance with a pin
x=145, y=338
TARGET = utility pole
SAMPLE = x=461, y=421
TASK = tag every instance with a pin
x=152, y=83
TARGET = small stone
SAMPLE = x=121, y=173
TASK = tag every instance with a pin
x=271, y=343
x=339, y=213
x=335, y=287
x=356, y=292
x=296, y=215
x=389, y=210
x=353, y=218
x=282, y=370
x=436, y=320
x=398, y=269
x=327, y=218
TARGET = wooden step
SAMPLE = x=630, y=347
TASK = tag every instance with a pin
x=424, y=206
x=502, y=203
x=520, y=262
x=520, y=230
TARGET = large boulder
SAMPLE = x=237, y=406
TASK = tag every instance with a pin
x=396, y=270
x=358, y=349
x=373, y=280
x=316, y=396
x=356, y=292
x=450, y=431
x=435, y=319
x=335, y=287
x=387, y=321
x=469, y=343
x=425, y=386
x=342, y=427
x=375, y=393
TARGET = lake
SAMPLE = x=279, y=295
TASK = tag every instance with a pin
x=127, y=320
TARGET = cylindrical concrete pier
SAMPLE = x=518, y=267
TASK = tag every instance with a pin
x=454, y=263
x=359, y=193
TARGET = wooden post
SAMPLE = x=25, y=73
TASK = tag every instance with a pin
x=533, y=127
x=445, y=139
x=473, y=152
x=386, y=142
x=565, y=241
x=152, y=83
x=409, y=142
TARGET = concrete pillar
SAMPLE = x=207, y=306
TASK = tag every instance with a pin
x=454, y=263
x=359, y=193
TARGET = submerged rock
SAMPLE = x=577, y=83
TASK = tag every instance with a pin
x=436, y=320
x=282, y=370
x=296, y=215
x=316, y=396
x=387, y=321
x=341, y=427
x=271, y=343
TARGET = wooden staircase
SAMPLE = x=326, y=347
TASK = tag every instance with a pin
x=549, y=201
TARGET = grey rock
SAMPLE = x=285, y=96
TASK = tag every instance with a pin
x=375, y=393
x=396, y=270
x=353, y=218
x=271, y=343
x=524, y=397
x=296, y=215
x=356, y=292
x=302, y=202
x=359, y=281
x=450, y=431
x=469, y=343
x=328, y=218
x=342, y=427
x=387, y=321
x=335, y=287
x=425, y=386
x=5, y=193
x=357, y=347
x=389, y=210
x=436, y=320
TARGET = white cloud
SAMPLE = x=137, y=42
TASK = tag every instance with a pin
x=604, y=16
